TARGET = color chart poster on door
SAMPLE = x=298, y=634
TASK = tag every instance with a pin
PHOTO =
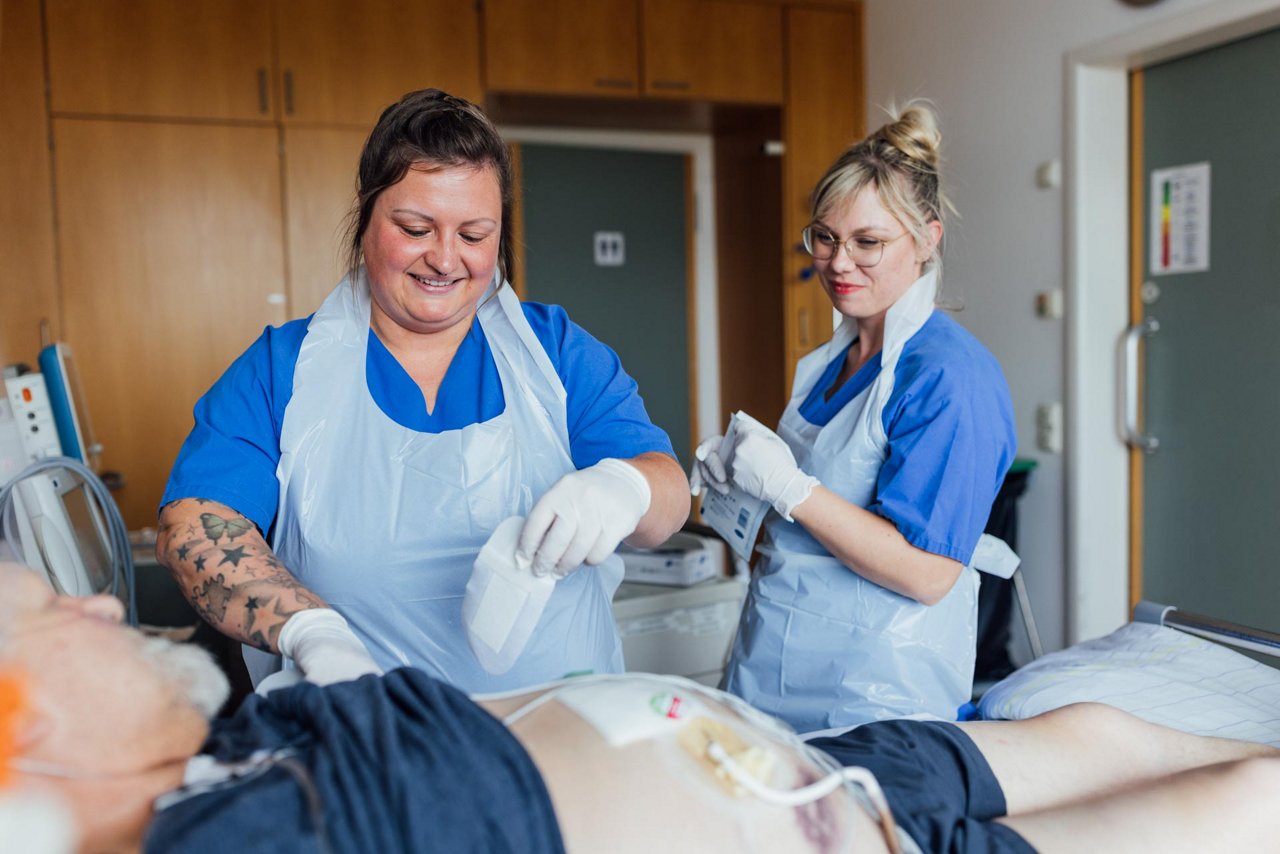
x=1180, y=219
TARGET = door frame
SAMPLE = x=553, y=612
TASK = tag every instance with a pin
x=1097, y=224
x=704, y=337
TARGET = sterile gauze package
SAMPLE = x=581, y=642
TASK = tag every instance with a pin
x=504, y=600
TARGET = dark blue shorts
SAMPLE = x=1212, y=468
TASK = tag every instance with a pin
x=940, y=788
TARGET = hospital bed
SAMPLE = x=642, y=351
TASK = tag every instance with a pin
x=1169, y=667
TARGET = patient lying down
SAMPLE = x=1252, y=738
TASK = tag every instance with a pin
x=115, y=726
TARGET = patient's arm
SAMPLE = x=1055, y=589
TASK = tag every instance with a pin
x=228, y=572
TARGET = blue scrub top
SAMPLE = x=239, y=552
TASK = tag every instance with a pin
x=232, y=451
x=951, y=435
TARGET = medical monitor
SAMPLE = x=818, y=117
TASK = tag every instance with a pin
x=70, y=411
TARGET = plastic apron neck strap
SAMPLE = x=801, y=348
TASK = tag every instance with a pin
x=907, y=315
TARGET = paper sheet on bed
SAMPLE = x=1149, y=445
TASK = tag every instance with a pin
x=1159, y=674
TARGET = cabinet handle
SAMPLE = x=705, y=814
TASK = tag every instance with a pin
x=803, y=323
x=614, y=83
x=262, y=90
x=673, y=85
x=288, y=92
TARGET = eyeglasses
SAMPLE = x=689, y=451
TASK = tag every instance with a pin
x=862, y=250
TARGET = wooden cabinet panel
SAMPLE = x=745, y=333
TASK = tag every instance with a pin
x=822, y=117
x=28, y=292
x=320, y=182
x=171, y=257
x=713, y=50
x=562, y=46
x=209, y=59
x=343, y=62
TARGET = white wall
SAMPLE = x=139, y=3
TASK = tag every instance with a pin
x=995, y=69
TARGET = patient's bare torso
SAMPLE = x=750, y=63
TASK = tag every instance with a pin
x=650, y=794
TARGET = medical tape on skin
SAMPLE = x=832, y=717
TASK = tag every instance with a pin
x=626, y=712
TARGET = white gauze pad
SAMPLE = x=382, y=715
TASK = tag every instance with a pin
x=503, y=601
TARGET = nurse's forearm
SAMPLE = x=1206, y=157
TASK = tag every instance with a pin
x=228, y=572
x=871, y=546
x=669, y=502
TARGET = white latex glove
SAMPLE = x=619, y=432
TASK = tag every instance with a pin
x=325, y=649
x=708, y=466
x=764, y=467
x=583, y=517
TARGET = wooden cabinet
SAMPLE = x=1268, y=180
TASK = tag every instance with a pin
x=562, y=47
x=303, y=61
x=28, y=289
x=210, y=59
x=822, y=117
x=319, y=182
x=713, y=50
x=706, y=50
x=343, y=62
x=171, y=264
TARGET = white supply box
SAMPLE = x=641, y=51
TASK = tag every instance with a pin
x=684, y=631
x=682, y=560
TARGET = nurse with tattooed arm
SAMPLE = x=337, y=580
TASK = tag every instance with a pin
x=863, y=603
x=344, y=473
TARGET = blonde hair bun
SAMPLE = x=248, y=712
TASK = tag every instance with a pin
x=914, y=132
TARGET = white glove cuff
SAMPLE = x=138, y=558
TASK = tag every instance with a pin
x=795, y=493
x=632, y=477
x=313, y=621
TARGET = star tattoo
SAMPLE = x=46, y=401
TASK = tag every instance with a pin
x=232, y=556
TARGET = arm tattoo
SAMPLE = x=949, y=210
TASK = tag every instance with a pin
x=234, y=581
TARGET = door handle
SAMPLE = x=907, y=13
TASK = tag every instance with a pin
x=1133, y=436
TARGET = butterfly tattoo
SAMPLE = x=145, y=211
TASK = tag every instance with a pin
x=215, y=526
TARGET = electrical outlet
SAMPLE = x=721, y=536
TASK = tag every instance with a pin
x=1049, y=427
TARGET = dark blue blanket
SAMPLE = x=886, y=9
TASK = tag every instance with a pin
x=383, y=764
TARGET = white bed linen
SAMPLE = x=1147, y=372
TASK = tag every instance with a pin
x=1159, y=674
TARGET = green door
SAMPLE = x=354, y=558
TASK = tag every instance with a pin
x=1211, y=387
x=605, y=236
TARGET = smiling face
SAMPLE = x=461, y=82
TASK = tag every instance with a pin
x=431, y=247
x=866, y=293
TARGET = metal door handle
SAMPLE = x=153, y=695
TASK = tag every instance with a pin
x=1133, y=436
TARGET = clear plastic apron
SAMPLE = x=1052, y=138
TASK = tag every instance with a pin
x=384, y=522
x=818, y=645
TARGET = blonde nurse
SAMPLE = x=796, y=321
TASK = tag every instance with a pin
x=863, y=603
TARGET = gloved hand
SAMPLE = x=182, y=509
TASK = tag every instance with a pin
x=764, y=467
x=583, y=517
x=325, y=649
x=708, y=466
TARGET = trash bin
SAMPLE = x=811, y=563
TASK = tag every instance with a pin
x=995, y=597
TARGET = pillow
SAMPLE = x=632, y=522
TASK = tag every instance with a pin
x=1159, y=674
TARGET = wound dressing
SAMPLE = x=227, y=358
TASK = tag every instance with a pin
x=624, y=712
x=503, y=600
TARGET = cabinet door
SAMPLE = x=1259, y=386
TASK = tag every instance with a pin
x=562, y=46
x=713, y=50
x=343, y=62
x=28, y=290
x=320, y=188
x=823, y=116
x=172, y=263
x=205, y=60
